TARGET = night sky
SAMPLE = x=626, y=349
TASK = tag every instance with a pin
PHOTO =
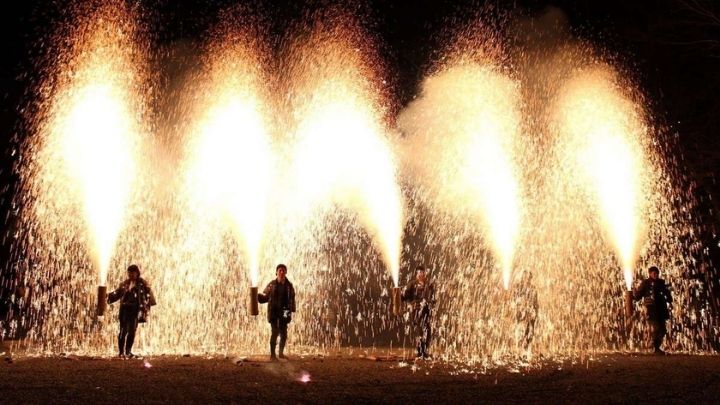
x=672, y=45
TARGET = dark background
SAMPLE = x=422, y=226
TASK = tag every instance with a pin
x=673, y=46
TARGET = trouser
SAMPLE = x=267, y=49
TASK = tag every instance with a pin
x=128, y=326
x=279, y=327
x=424, y=330
x=658, y=331
x=528, y=332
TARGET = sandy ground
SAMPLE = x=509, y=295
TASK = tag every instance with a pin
x=349, y=377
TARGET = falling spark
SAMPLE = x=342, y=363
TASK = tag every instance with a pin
x=304, y=377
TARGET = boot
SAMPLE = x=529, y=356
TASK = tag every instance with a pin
x=273, y=357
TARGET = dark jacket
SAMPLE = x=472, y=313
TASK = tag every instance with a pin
x=656, y=297
x=271, y=296
x=417, y=293
x=138, y=298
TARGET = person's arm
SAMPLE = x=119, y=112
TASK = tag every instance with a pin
x=431, y=292
x=116, y=294
x=639, y=292
x=407, y=292
x=263, y=296
x=292, y=298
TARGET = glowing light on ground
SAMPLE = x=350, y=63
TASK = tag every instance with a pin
x=304, y=377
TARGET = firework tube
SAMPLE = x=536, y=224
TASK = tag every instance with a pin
x=254, y=310
x=396, y=301
x=629, y=304
x=101, y=300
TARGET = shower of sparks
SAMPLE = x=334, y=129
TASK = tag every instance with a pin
x=90, y=138
x=603, y=130
x=463, y=132
x=537, y=170
x=342, y=152
x=231, y=156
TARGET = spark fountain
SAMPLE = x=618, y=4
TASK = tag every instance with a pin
x=463, y=148
x=342, y=151
x=605, y=131
x=231, y=158
x=466, y=122
x=85, y=148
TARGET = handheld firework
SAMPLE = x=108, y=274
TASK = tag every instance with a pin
x=629, y=309
x=396, y=301
x=253, y=308
x=101, y=300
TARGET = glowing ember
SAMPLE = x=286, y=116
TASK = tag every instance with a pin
x=304, y=377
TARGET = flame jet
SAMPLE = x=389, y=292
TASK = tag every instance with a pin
x=603, y=131
x=342, y=153
x=230, y=154
x=93, y=134
x=462, y=135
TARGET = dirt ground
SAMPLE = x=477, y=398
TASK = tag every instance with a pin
x=348, y=377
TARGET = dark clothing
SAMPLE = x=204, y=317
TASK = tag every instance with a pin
x=421, y=297
x=658, y=330
x=283, y=301
x=279, y=327
x=526, y=311
x=656, y=297
x=135, y=298
x=417, y=292
x=280, y=298
x=128, y=326
x=137, y=295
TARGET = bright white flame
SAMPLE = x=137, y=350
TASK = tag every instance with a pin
x=489, y=170
x=344, y=154
x=95, y=135
x=232, y=169
x=463, y=132
x=604, y=128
